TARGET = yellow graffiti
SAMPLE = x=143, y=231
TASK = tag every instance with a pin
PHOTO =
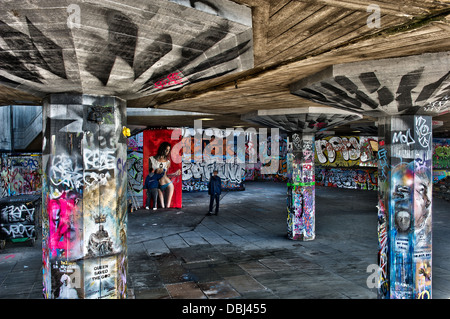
x=126, y=131
x=424, y=295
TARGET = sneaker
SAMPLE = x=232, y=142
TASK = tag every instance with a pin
x=209, y=214
x=146, y=207
x=154, y=208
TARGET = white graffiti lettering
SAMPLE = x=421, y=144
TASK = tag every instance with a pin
x=349, y=148
x=202, y=171
x=423, y=132
x=93, y=178
x=20, y=213
x=99, y=160
x=404, y=138
x=64, y=172
x=19, y=230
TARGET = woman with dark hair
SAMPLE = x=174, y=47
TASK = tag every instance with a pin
x=161, y=160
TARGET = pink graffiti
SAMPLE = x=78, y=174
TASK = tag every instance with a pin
x=9, y=256
x=61, y=211
x=170, y=80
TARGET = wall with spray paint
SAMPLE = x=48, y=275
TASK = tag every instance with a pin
x=135, y=166
x=441, y=168
x=210, y=154
x=346, y=151
x=19, y=217
x=347, y=162
x=441, y=153
x=253, y=170
x=196, y=175
x=354, y=178
x=20, y=174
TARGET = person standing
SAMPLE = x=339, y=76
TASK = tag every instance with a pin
x=151, y=185
x=214, y=191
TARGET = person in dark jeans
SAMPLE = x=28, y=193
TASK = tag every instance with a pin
x=214, y=191
x=151, y=185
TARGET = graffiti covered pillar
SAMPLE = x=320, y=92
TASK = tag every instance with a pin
x=84, y=215
x=404, y=217
x=301, y=124
x=403, y=93
x=301, y=188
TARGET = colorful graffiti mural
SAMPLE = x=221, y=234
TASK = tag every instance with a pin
x=441, y=153
x=20, y=174
x=208, y=153
x=84, y=197
x=357, y=178
x=135, y=167
x=346, y=151
x=253, y=170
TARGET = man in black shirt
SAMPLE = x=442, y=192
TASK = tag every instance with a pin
x=214, y=191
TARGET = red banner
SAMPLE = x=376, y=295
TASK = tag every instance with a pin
x=152, y=142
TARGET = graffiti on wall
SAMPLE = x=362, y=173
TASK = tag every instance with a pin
x=20, y=174
x=253, y=170
x=19, y=217
x=196, y=175
x=135, y=166
x=441, y=153
x=345, y=151
x=360, y=178
x=213, y=153
x=84, y=198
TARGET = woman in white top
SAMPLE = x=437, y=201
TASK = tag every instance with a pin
x=161, y=160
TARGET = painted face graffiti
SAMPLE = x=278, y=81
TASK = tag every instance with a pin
x=403, y=221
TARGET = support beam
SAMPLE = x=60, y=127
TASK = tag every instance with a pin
x=84, y=197
x=404, y=207
x=301, y=188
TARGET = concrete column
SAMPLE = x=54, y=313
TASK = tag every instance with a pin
x=404, y=207
x=84, y=197
x=301, y=188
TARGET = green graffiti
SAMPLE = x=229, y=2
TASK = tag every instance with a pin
x=441, y=158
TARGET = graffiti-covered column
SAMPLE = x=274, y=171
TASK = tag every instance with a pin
x=301, y=188
x=301, y=124
x=403, y=93
x=404, y=217
x=84, y=197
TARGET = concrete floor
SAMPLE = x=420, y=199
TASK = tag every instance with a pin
x=244, y=252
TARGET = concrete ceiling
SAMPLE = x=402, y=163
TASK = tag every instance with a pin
x=226, y=58
x=303, y=119
x=418, y=84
